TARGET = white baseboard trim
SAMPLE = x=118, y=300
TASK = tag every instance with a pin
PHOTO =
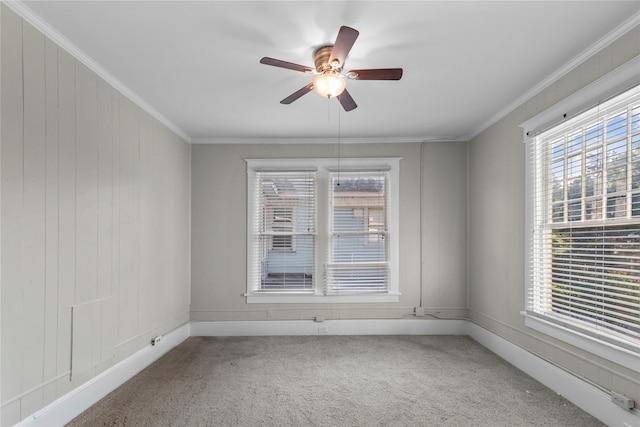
x=579, y=392
x=72, y=404
x=330, y=327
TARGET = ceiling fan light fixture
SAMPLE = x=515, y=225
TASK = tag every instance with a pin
x=329, y=84
x=329, y=62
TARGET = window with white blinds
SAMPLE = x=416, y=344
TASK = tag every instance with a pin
x=322, y=230
x=585, y=243
x=284, y=231
x=358, y=256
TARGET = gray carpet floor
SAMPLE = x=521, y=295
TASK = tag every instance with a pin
x=333, y=381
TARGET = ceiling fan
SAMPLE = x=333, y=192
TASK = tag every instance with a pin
x=329, y=62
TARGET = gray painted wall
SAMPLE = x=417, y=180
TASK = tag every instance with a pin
x=497, y=228
x=218, y=264
x=95, y=209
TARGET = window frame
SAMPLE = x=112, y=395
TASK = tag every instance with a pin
x=626, y=77
x=323, y=168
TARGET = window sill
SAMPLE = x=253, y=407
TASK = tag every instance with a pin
x=622, y=356
x=258, y=298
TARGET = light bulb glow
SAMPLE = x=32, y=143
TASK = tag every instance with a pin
x=329, y=84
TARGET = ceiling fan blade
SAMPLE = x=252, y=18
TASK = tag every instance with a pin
x=285, y=64
x=347, y=101
x=376, y=74
x=346, y=38
x=297, y=94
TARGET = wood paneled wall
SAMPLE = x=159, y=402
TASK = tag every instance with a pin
x=95, y=221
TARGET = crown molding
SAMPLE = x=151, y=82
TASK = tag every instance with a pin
x=621, y=79
x=22, y=10
x=303, y=140
x=605, y=41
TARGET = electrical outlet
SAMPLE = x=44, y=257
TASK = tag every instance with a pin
x=420, y=311
x=156, y=340
x=622, y=400
x=323, y=329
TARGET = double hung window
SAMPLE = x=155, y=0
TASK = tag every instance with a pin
x=322, y=230
x=585, y=241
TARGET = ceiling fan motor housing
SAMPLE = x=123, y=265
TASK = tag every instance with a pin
x=321, y=59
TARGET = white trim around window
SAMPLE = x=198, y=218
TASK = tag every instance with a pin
x=542, y=312
x=324, y=272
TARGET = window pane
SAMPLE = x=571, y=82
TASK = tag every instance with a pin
x=594, y=135
x=354, y=198
x=617, y=153
x=574, y=143
x=594, y=185
x=557, y=149
x=594, y=160
x=593, y=209
x=558, y=181
x=574, y=166
x=617, y=207
x=286, y=269
x=575, y=189
x=617, y=180
x=635, y=148
x=575, y=211
x=635, y=120
x=557, y=212
x=617, y=127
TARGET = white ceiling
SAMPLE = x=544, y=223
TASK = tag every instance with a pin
x=466, y=63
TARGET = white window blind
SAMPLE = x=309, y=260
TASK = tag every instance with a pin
x=323, y=230
x=358, y=252
x=586, y=222
x=284, y=231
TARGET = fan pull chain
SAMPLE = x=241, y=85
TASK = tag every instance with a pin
x=339, y=137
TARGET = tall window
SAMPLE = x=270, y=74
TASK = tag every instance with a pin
x=358, y=256
x=284, y=222
x=586, y=222
x=319, y=230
